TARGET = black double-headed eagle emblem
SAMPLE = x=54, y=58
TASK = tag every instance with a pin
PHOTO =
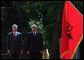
x=69, y=29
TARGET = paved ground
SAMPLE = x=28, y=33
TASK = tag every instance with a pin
x=6, y=56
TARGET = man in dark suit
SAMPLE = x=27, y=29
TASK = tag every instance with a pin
x=35, y=43
x=15, y=46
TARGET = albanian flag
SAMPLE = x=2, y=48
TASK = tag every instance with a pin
x=72, y=31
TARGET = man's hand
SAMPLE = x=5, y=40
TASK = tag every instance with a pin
x=42, y=52
x=28, y=52
x=21, y=52
x=8, y=51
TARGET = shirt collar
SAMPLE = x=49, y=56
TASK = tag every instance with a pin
x=35, y=32
x=15, y=32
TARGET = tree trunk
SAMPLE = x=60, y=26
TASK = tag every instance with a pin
x=57, y=31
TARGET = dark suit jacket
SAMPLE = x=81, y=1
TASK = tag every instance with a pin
x=15, y=45
x=35, y=43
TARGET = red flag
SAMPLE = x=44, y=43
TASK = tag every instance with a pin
x=72, y=31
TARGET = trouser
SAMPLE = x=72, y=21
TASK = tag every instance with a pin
x=15, y=55
x=34, y=55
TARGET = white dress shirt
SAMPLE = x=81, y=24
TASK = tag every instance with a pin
x=15, y=33
x=34, y=32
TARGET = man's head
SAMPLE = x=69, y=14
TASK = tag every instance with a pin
x=33, y=28
x=14, y=27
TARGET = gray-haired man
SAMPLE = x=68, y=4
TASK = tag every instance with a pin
x=35, y=43
x=15, y=46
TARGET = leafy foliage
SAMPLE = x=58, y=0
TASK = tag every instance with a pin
x=43, y=13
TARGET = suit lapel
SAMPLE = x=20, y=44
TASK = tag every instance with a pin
x=12, y=34
x=16, y=36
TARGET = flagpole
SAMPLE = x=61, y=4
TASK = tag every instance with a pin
x=66, y=15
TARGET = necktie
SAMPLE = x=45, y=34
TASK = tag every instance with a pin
x=14, y=36
x=33, y=33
